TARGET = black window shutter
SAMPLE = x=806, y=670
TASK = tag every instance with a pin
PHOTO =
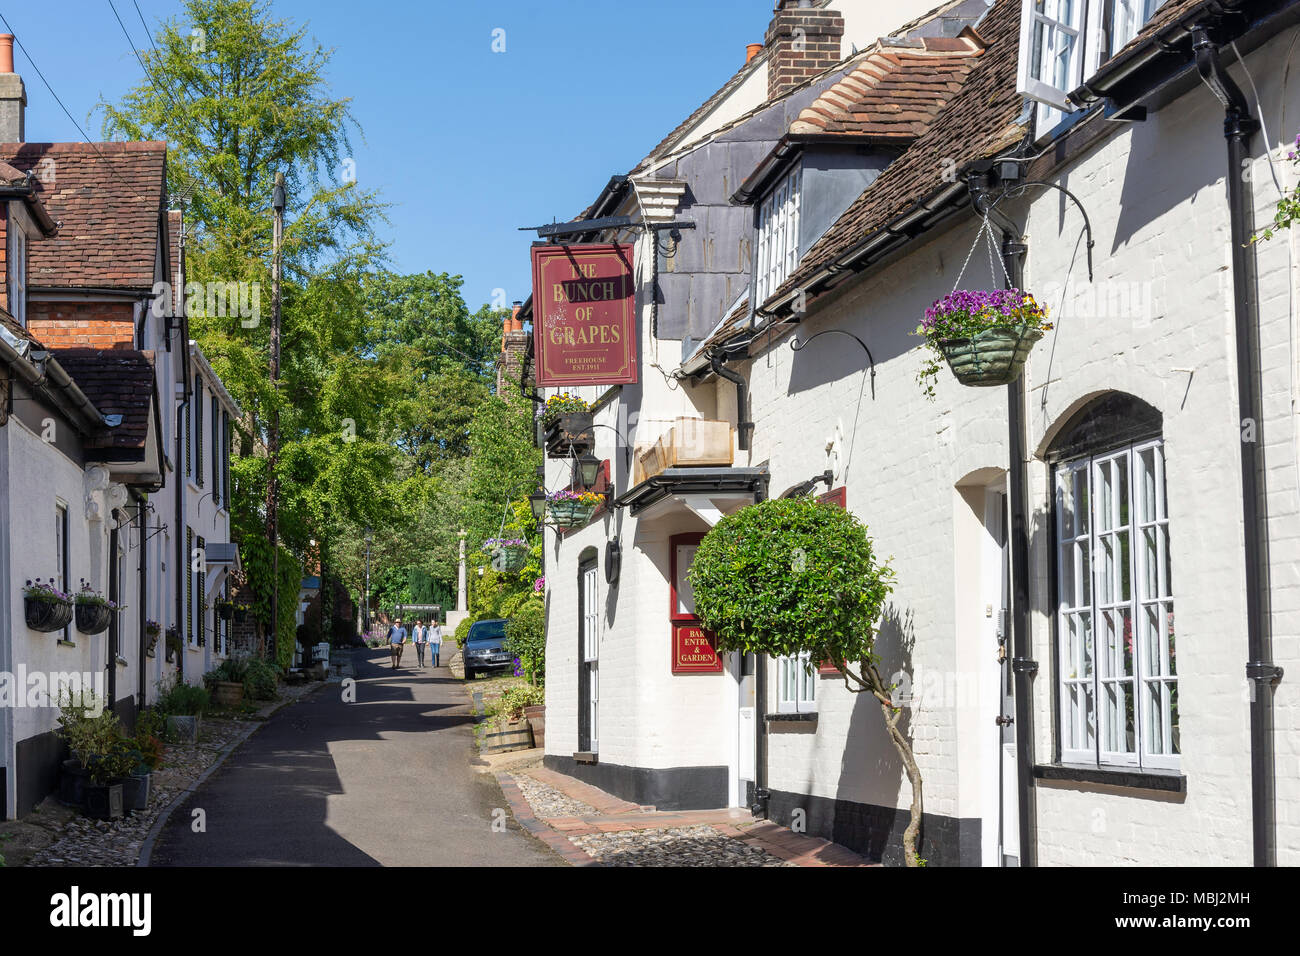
x=203, y=598
x=216, y=453
x=189, y=585
x=198, y=432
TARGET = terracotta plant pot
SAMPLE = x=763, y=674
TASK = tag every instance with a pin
x=995, y=356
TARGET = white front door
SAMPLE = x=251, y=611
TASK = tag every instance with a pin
x=590, y=655
x=998, y=754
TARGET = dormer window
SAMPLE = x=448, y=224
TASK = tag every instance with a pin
x=17, y=253
x=1064, y=42
x=778, y=235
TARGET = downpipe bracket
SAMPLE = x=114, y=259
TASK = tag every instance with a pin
x=1263, y=672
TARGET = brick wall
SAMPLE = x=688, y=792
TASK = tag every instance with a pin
x=801, y=43
x=96, y=325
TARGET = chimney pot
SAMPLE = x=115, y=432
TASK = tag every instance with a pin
x=13, y=95
x=752, y=50
x=6, y=52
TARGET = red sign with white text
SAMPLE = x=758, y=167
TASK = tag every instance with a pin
x=693, y=651
x=584, y=315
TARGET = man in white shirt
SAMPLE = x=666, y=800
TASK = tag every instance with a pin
x=433, y=634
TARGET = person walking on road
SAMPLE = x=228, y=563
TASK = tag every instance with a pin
x=433, y=634
x=418, y=636
x=396, y=641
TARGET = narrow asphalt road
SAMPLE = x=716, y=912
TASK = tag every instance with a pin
x=384, y=781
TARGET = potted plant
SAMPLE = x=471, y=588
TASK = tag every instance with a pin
x=225, y=683
x=46, y=607
x=566, y=425
x=152, y=631
x=508, y=554
x=94, y=611
x=99, y=754
x=173, y=643
x=183, y=706
x=145, y=750
x=225, y=609
x=984, y=336
x=103, y=791
x=571, y=509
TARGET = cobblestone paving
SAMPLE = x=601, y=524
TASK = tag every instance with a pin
x=548, y=802
x=699, y=845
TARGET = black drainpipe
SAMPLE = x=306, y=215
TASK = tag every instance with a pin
x=114, y=630
x=142, y=519
x=1238, y=126
x=1023, y=666
x=744, y=427
x=182, y=559
x=761, y=793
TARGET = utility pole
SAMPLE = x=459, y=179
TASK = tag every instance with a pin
x=273, y=436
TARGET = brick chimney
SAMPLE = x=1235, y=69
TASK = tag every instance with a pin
x=802, y=41
x=514, y=351
x=13, y=96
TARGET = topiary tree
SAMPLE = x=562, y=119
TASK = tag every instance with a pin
x=792, y=575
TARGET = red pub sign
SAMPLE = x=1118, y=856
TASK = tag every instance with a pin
x=584, y=315
x=693, y=651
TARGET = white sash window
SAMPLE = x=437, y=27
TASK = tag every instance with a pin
x=796, y=684
x=1118, y=675
x=777, y=253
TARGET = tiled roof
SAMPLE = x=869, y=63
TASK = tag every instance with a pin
x=10, y=176
x=895, y=92
x=108, y=197
x=117, y=382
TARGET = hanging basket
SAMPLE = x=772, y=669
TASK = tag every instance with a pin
x=152, y=636
x=570, y=514
x=569, y=434
x=510, y=557
x=47, y=616
x=225, y=611
x=93, y=618
x=995, y=356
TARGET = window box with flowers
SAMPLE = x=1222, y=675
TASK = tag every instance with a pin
x=508, y=554
x=572, y=509
x=46, y=607
x=94, y=611
x=566, y=426
x=984, y=337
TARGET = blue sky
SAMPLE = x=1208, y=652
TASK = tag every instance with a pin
x=467, y=144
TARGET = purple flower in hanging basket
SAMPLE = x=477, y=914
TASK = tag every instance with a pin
x=539, y=585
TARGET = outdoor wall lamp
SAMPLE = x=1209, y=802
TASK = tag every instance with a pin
x=588, y=469
x=537, y=501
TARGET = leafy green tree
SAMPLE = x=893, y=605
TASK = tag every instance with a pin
x=791, y=576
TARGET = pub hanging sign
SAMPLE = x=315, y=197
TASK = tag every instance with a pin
x=584, y=315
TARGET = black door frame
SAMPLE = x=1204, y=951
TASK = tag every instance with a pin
x=584, y=670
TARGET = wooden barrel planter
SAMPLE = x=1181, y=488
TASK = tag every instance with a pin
x=47, y=616
x=995, y=356
x=536, y=717
x=227, y=695
x=515, y=736
x=93, y=618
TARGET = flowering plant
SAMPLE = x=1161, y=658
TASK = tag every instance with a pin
x=579, y=497
x=36, y=591
x=491, y=544
x=1288, y=207
x=539, y=585
x=152, y=628
x=88, y=595
x=963, y=314
x=561, y=404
